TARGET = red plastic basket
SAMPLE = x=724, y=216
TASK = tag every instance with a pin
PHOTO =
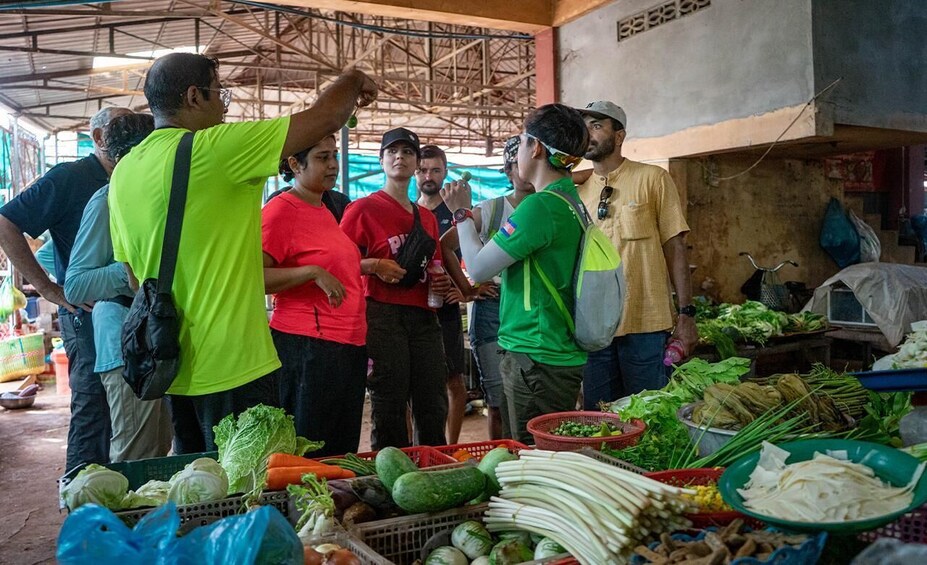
x=541, y=426
x=701, y=477
x=910, y=528
x=422, y=455
x=480, y=448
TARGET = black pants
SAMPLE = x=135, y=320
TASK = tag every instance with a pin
x=408, y=366
x=193, y=417
x=89, y=430
x=322, y=384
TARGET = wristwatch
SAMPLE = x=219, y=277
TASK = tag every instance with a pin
x=687, y=311
x=462, y=214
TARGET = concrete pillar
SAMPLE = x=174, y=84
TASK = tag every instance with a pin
x=545, y=77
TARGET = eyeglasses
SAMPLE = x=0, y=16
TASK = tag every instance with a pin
x=604, y=197
x=225, y=94
x=559, y=159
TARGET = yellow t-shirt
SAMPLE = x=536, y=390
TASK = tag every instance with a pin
x=643, y=214
x=218, y=283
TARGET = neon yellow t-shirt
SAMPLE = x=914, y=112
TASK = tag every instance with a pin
x=218, y=283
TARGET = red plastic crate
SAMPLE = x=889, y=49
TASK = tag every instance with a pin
x=910, y=528
x=479, y=449
x=422, y=455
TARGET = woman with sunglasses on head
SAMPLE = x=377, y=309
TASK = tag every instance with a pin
x=488, y=217
x=542, y=367
x=319, y=322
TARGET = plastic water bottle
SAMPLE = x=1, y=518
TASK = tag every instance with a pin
x=435, y=300
x=674, y=353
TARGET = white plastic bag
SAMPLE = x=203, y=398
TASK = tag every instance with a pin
x=870, y=249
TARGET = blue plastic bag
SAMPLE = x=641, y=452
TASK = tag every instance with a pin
x=839, y=237
x=259, y=537
x=94, y=535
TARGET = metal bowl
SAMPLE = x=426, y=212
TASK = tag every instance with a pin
x=17, y=403
x=709, y=439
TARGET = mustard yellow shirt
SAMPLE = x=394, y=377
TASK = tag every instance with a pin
x=643, y=214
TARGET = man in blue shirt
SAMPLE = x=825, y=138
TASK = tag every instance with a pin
x=140, y=429
x=55, y=202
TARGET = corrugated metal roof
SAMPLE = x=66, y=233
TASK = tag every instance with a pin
x=57, y=86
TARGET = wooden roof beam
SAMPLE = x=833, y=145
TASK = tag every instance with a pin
x=527, y=16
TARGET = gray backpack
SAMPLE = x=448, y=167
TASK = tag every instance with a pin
x=598, y=284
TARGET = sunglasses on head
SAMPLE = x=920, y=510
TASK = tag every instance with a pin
x=559, y=159
x=604, y=197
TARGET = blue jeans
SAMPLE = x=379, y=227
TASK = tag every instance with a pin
x=632, y=363
x=89, y=431
x=484, y=340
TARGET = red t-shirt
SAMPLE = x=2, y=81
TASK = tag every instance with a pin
x=378, y=225
x=296, y=233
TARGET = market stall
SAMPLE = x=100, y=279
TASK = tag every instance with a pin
x=696, y=472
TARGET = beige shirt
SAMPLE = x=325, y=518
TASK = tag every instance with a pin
x=643, y=214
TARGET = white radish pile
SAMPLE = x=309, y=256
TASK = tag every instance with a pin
x=597, y=511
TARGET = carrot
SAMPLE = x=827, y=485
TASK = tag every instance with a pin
x=279, y=477
x=286, y=460
x=462, y=455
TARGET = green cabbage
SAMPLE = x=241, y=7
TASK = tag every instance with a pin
x=97, y=484
x=152, y=493
x=245, y=444
x=201, y=480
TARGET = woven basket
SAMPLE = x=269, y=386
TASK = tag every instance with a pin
x=22, y=356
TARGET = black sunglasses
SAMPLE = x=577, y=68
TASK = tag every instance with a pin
x=604, y=196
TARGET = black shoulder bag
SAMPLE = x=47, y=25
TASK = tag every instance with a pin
x=151, y=331
x=415, y=252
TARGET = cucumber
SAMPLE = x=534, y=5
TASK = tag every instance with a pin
x=392, y=463
x=488, y=467
x=433, y=491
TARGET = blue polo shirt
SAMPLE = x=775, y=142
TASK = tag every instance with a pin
x=95, y=276
x=55, y=202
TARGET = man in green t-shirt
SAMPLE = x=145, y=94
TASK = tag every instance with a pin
x=542, y=368
x=226, y=348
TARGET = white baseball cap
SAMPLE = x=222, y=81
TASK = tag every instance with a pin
x=604, y=108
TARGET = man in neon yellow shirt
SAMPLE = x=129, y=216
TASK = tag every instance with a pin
x=226, y=348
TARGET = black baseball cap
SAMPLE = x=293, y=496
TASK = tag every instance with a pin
x=401, y=135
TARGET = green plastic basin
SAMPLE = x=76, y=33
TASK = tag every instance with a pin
x=889, y=464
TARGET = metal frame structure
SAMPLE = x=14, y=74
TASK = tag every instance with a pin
x=456, y=86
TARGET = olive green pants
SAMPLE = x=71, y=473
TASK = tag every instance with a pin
x=533, y=389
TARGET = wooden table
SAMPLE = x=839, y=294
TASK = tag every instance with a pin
x=794, y=353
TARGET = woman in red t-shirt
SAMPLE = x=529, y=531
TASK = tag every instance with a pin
x=319, y=322
x=403, y=336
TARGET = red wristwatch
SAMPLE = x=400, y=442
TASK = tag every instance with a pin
x=462, y=214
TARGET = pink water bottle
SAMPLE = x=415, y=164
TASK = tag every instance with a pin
x=435, y=300
x=675, y=351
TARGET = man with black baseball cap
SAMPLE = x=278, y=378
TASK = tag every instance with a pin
x=403, y=335
x=638, y=207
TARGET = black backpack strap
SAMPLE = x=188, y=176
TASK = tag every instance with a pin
x=175, y=207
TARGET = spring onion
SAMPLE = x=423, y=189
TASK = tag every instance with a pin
x=596, y=511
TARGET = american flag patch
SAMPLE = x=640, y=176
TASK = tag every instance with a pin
x=508, y=229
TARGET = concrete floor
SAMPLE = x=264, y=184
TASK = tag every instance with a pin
x=32, y=454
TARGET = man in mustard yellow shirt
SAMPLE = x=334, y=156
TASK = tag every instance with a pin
x=226, y=352
x=637, y=206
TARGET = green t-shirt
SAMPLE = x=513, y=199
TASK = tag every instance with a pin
x=542, y=229
x=218, y=283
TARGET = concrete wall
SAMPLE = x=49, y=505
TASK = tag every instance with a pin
x=774, y=212
x=733, y=59
x=880, y=51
